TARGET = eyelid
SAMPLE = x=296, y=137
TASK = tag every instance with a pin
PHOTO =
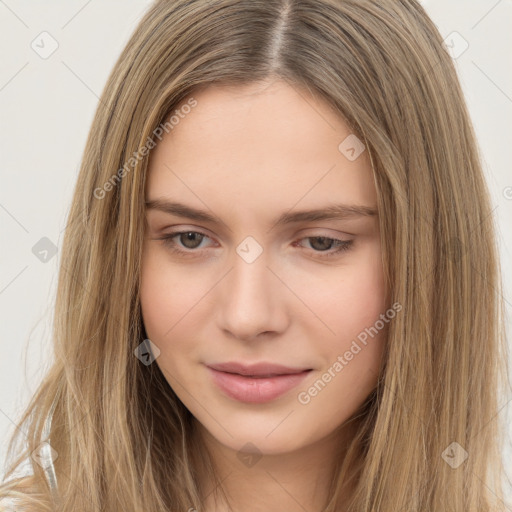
x=317, y=233
x=323, y=231
x=340, y=245
x=167, y=239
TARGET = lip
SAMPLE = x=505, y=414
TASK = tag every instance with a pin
x=262, y=369
x=256, y=383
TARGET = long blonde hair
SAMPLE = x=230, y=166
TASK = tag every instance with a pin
x=124, y=440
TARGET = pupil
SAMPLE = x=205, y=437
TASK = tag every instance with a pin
x=323, y=246
x=189, y=242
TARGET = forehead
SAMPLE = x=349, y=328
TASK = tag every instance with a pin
x=260, y=146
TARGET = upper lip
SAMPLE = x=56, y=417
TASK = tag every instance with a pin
x=257, y=369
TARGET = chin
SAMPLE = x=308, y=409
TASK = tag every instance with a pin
x=261, y=437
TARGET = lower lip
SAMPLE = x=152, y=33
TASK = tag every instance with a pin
x=253, y=389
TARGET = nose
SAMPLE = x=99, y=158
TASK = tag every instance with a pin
x=252, y=300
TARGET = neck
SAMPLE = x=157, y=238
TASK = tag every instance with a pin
x=295, y=481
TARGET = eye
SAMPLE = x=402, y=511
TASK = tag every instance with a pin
x=324, y=244
x=186, y=242
x=188, y=239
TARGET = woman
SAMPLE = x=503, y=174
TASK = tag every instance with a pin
x=278, y=281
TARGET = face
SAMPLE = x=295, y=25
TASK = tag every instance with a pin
x=288, y=306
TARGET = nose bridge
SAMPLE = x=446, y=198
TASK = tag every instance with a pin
x=250, y=301
x=250, y=279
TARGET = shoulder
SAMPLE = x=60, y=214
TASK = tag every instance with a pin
x=22, y=489
x=10, y=505
x=16, y=493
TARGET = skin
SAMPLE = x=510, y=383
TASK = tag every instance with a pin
x=246, y=155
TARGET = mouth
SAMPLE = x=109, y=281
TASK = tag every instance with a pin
x=258, y=383
x=257, y=370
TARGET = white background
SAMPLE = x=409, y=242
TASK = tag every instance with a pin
x=47, y=107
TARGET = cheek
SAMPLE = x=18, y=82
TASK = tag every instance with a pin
x=362, y=301
x=153, y=298
x=352, y=348
x=172, y=299
x=163, y=296
x=349, y=299
x=344, y=301
x=164, y=291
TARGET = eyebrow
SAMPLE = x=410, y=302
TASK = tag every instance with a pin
x=330, y=212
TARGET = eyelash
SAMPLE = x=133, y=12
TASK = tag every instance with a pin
x=168, y=241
